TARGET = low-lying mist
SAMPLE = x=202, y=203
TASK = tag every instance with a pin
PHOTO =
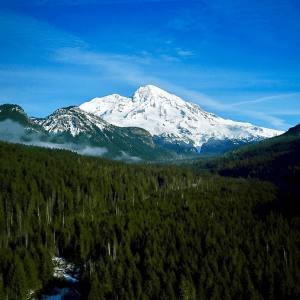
x=13, y=132
x=125, y=157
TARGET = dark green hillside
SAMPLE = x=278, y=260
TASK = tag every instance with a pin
x=140, y=232
x=17, y=114
x=293, y=131
x=276, y=160
x=72, y=128
x=73, y=125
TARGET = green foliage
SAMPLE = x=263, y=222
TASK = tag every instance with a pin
x=141, y=231
x=2, y=294
x=17, y=283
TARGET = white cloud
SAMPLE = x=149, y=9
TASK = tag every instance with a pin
x=283, y=96
x=201, y=99
x=125, y=157
x=184, y=53
x=285, y=112
x=169, y=58
x=128, y=70
x=33, y=34
x=13, y=132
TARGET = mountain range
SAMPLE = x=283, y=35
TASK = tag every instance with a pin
x=174, y=123
x=74, y=129
x=97, y=216
x=150, y=125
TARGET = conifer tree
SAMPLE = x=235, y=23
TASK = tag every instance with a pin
x=17, y=282
x=2, y=292
x=96, y=291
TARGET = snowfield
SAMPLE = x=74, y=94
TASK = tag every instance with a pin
x=172, y=119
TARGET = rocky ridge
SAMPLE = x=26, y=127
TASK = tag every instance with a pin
x=174, y=122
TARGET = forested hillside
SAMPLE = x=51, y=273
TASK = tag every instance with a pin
x=276, y=160
x=141, y=231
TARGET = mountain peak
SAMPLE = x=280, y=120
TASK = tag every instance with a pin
x=151, y=88
x=170, y=119
x=16, y=113
x=12, y=107
x=71, y=119
x=151, y=92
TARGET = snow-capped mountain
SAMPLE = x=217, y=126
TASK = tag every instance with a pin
x=77, y=130
x=173, y=121
x=74, y=129
x=73, y=121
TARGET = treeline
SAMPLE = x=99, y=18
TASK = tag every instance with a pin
x=140, y=232
x=275, y=160
x=278, y=162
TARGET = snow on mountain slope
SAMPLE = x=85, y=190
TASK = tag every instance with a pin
x=72, y=120
x=76, y=126
x=171, y=119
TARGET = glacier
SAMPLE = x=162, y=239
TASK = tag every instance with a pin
x=172, y=120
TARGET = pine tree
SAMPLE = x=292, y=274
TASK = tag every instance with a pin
x=17, y=283
x=2, y=294
x=96, y=292
x=46, y=266
x=31, y=273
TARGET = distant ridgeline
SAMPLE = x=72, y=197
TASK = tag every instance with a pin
x=276, y=160
x=74, y=129
x=140, y=232
x=152, y=125
x=175, y=124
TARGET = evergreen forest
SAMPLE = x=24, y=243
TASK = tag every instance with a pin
x=227, y=229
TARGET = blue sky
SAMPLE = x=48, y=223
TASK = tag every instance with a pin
x=237, y=59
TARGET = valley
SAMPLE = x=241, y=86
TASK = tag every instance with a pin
x=92, y=210
x=149, y=150
x=160, y=231
x=152, y=126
